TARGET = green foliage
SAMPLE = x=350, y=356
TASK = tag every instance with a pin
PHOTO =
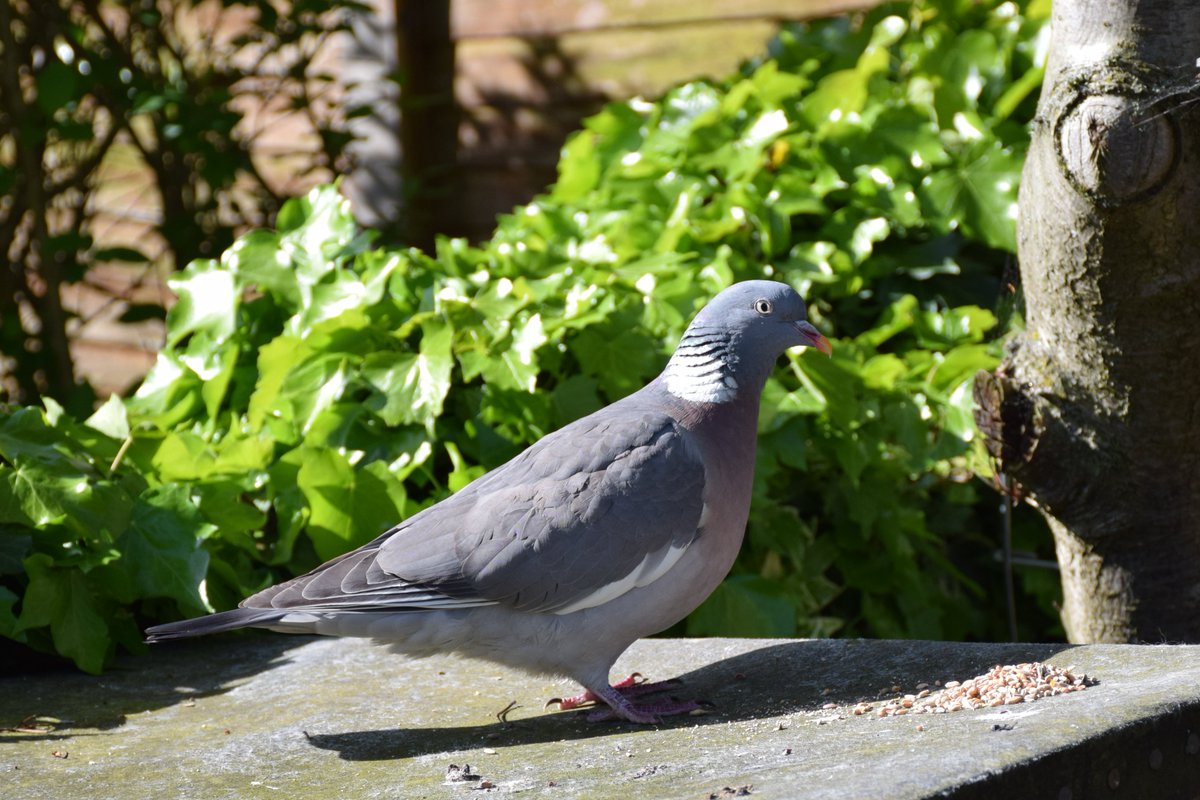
x=315, y=389
x=161, y=101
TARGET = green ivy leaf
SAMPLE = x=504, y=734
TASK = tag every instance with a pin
x=258, y=261
x=348, y=507
x=578, y=169
x=161, y=554
x=229, y=504
x=411, y=387
x=835, y=96
x=618, y=362
x=111, y=419
x=207, y=302
x=39, y=495
x=979, y=194
x=316, y=231
x=170, y=393
x=60, y=598
x=573, y=398
x=747, y=606
x=516, y=365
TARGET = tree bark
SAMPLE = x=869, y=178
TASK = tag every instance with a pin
x=1095, y=411
x=43, y=364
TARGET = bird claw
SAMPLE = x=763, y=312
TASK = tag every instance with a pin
x=632, y=679
x=571, y=703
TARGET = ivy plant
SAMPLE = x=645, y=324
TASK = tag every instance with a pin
x=316, y=388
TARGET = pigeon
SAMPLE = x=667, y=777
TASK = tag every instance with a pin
x=614, y=527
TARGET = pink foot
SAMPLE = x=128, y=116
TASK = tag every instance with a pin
x=618, y=699
x=631, y=686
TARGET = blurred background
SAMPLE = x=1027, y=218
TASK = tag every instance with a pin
x=157, y=131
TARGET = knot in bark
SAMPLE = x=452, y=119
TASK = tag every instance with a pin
x=1113, y=151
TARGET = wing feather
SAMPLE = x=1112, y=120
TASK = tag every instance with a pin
x=605, y=504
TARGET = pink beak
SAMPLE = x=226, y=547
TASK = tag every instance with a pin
x=813, y=338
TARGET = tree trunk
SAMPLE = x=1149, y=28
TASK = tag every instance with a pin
x=1096, y=410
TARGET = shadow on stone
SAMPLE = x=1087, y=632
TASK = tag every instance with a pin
x=759, y=684
x=182, y=671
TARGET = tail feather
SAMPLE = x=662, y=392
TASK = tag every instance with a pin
x=214, y=623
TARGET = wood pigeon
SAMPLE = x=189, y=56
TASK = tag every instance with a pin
x=611, y=528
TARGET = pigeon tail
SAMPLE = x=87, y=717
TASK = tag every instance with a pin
x=215, y=623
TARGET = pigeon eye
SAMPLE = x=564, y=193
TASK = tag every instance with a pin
x=763, y=306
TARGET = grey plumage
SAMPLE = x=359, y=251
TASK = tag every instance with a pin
x=612, y=528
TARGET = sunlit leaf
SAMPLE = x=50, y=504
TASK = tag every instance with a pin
x=411, y=387
x=979, y=194
x=111, y=419
x=207, y=301
x=349, y=507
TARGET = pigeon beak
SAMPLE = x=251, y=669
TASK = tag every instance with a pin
x=813, y=338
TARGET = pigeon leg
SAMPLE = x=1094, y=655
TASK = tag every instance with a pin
x=630, y=686
x=618, y=698
x=620, y=707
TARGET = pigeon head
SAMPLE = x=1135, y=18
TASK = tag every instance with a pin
x=734, y=341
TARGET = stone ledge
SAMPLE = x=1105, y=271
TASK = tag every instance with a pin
x=258, y=716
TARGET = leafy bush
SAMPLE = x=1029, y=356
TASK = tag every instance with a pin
x=315, y=389
x=144, y=111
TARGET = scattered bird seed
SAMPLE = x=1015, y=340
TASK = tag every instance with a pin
x=1003, y=685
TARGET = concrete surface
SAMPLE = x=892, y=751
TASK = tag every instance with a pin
x=273, y=716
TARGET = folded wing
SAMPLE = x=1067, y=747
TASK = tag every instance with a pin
x=588, y=513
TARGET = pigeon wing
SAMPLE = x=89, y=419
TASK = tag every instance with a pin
x=586, y=514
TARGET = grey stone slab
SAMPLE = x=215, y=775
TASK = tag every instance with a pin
x=272, y=716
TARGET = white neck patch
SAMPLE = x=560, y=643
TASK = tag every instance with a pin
x=701, y=370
